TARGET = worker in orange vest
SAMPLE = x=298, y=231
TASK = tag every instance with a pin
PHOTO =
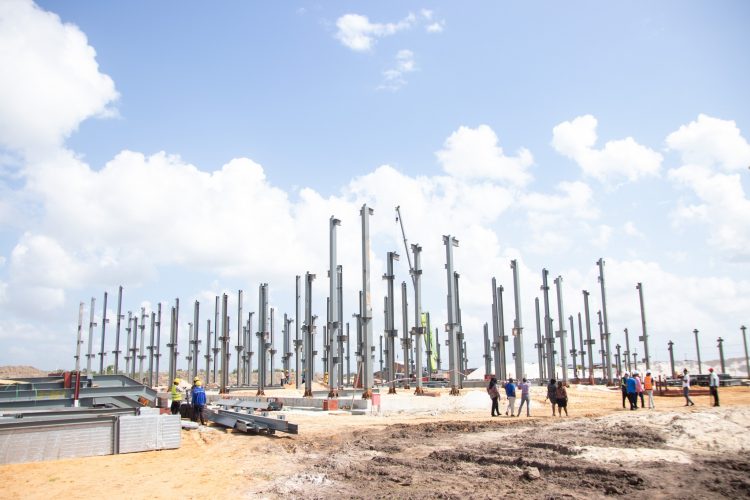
x=648, y=386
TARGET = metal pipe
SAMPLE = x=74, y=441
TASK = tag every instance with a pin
x=721, y=354
x=698, y=351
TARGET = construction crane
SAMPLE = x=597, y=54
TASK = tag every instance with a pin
x=400, y=220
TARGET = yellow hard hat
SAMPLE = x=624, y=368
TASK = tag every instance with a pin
x=196, y=379
x=198, y=383
x=177, y=381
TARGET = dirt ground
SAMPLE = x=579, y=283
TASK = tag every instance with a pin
x=599, y=450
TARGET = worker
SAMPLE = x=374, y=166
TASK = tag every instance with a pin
x=552, y=394
x=510, y=393
x=713, y=385
x=494, y=396
x=686, y=388
x=199, y=401
x=525, y=386
x=648, y=386
x=632, y=387
x=176, y=394
x=561, y=394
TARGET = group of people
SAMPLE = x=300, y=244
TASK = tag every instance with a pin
x=197, y=399
x=633, y=388
x=713, y=386
x=511, y=390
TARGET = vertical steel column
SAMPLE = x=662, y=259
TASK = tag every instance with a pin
x=262, y=334
x=605, y=342
x=272, y=346
x=747, y=358
x=286, y=346
x=583, y=349
x=309, y=329
x=428, y=346
x=176, y=333
x=134, y=351
x=195, y=340
x=390, y=323
x=105, y=320
x=334, y=326
x=602, y=350
x=405, y=339
x=539, y=343
x=589, y=341
x=368, y=349
x=455, y=362
x=249, y=349
x=501, y=332
x=635, y=361
x=498, y=345
x=128, y=349
x=618, y=361
x=627, y=352
x=341, y=336
x=548, y=335
x=573, y=350
x=562, y=334
x=382, y=373
x=297, y=329
x=487, y=350
x=172, y=344
x=151, y=351
x=438, y=357
x=79, y=339
x=698, y=350
x=158, y=343
x=224, y=385
x=90, y=345
x=460, y=344
x=208, y=356
x=670, y=348
x=721, y=354
x=643, y=338
x=517, y=323
x=117, y=350
x=217, y=335
x=418, y=330
x=239, y=347
x=189, y=357
x=142, y=355
x=348, y=356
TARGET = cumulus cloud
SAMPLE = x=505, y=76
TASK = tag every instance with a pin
x=37, y=47
x=358, y=33
x=712, y=150
x=710, y=142
x=618, y=160
x=474, y=153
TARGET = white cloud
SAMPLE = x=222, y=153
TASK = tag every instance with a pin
x=51, y=81
x=393, y=78
x=432, y=27
x=475, y=154
x=617, y=160
x=631, y=230
x=711, y=141
x=356, y=31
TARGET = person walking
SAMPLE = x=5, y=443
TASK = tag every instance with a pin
x=176, y=395
x=713, y=385
x=495, y=396
x=639, y=388
x=624, y=388
x=199, y=401
x=510, y=393
x=552, y=394
x=561, y=395
x=632, y=392
x=648, y=386
x=686, y=387
x=524, y=386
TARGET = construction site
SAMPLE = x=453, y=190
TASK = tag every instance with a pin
x=325, y=421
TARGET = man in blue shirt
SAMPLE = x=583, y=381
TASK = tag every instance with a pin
x=510, y=392
x=199, y=401
x=632, y=393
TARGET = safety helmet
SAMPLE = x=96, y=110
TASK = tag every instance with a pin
x=196, y=379
x=198, y=383
x=177, y=381
x=710, y=369
x=648, y=372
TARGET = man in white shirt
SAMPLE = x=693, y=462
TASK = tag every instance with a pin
x=686, y=388
x=713, y=385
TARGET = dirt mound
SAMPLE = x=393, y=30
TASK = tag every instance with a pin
x=21, y=371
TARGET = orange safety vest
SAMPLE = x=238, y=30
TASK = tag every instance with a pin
x=648, y=383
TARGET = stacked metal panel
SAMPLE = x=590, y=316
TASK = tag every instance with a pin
x=55, y=442
x=149, y=432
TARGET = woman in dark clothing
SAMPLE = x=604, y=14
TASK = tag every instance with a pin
x=552, y=394
x=495, y=395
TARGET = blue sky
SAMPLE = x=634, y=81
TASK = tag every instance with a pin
x=540, y=131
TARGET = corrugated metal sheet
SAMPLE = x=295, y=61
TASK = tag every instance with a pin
x=138, y=433
x=170, y=432
x=72, y=440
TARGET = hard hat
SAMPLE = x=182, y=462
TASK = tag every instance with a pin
x=177, y=381
x=196, y=379
x=710, y=369
x=648, y=372
x=198, y=383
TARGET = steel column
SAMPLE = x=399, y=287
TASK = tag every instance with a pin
x=627, y=352
x=368, y=349
x=390, y=323
x=117, y=350
x=548, y=334
x=606, y=341
x=498, y=345
x=487, y=350
x=309, y=330
x=79, y=339
x=418, y=330
x=562, y=334
x=573, y=350
x=297, y=329
x=539, y=343
x=272, y=346
x=405, y=340
x=455, y=362
x=334, y=354
x=262, y=335
x=589, y=341
x=517, y=323
x=643, y=338
x=747, y=358
x=240, y=337
x=217, y=335
x=158, y=342
x=670, y=348
x=721, y=354
x=90, y=346
x=105, y=320
x=698, y=350
x=224, y=385
x=151, y=348
x=142, y=353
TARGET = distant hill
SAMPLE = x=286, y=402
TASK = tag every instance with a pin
x=21, y=371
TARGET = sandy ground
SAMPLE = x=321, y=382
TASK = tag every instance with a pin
x=444, y=447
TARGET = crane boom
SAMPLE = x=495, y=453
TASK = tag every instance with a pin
x=400, y=220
